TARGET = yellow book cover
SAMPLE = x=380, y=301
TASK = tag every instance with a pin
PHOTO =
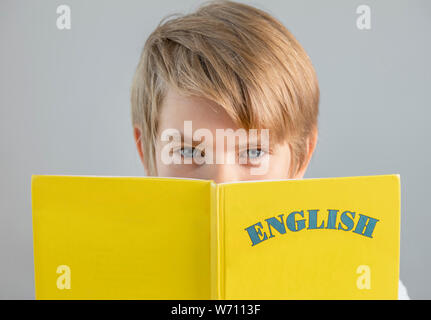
x=170, y=238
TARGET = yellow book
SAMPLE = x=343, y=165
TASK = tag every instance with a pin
x=172, y=238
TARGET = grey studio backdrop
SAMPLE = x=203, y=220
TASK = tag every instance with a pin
x=65, y=109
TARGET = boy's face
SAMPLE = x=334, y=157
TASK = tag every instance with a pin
x=217, y=155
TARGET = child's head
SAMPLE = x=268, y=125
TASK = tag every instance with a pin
x=226, y=66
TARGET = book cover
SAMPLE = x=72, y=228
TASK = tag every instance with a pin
x=171, y=238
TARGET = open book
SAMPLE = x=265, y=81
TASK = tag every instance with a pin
x=171, y=238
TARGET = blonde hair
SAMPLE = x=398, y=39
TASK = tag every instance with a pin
x=241, y=58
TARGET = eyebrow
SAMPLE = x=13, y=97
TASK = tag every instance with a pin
x=254, y=142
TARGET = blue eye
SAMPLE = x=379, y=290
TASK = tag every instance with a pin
x=187, y=152
x=190, y=152
x=254, y=153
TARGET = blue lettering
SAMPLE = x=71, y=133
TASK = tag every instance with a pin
x=332, y=218
x=365, y=222
x=276, y=224
x=312, y=220
x=347, y=221
x=255, y=235
x=294, y=225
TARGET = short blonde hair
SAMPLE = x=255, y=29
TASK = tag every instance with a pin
x=241, y=58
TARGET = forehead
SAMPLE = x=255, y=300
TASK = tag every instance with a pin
x=203, y=113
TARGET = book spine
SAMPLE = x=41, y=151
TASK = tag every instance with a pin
x=220, y=243
x=213, y=243
x=217, y=267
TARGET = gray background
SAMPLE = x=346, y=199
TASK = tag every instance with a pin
x=64, y=98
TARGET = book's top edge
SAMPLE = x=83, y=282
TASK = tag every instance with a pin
x=312, y=179
x=100, y=176
x=205, y=180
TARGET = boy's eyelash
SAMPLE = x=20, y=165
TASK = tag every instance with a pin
x=266, y=150
x=194, y=150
